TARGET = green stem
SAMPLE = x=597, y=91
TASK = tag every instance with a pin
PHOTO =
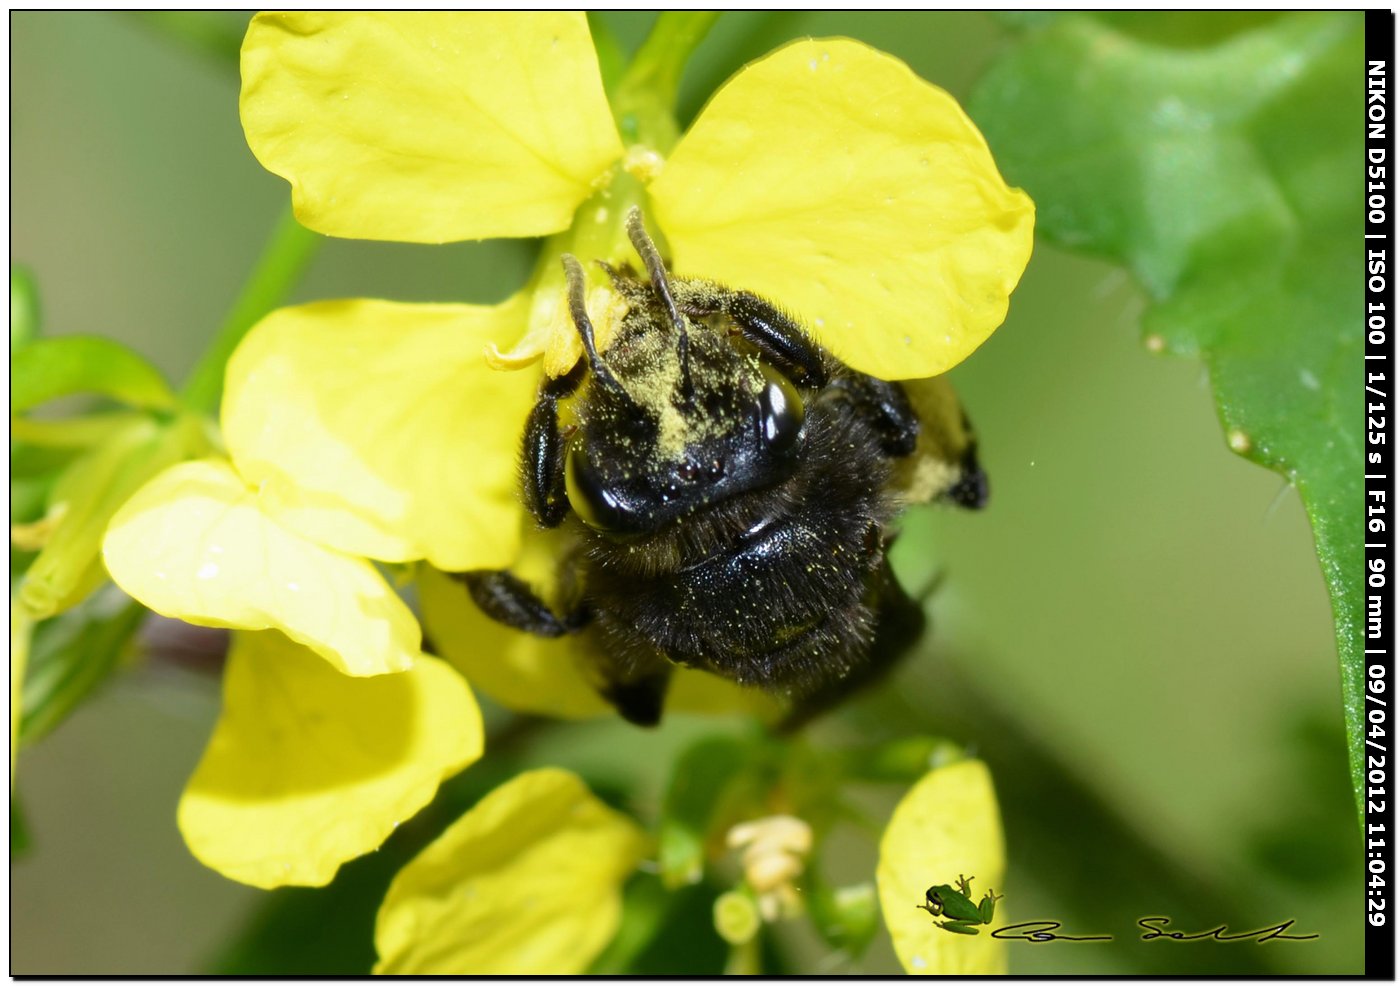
x=661, y=60
x=208, y=32
x=642, y=103
x=645, y=101
x=286, y=255
x=745, y=959
x=65, y=672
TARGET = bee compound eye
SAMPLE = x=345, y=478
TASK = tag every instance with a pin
x=780, y=414
x=596, y=504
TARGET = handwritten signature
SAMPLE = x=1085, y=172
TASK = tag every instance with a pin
x=1039, y=932
x=1156, y=928
x=1042, y=931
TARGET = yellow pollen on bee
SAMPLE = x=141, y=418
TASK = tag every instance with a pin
x=606, y=309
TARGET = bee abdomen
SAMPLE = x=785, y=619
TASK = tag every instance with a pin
x=785, y=607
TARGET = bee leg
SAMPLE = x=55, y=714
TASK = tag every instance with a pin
x=639, y=699
x=777, y=337
x=972, y=489
x=545, y=497
x=508, y=600
x=638, y=695
x=885, y=405
x=899, y=623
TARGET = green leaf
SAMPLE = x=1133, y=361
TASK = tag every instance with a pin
x=70, y=434
x=24, y=307
x=694, y=797
x=1311, y=846
x=21, y=640
x=314, y=931
x=1222, y=170
x=40, y=451
x=845, y=917
x=86, y=496
x=27, y=497
x=901, y=761
x=63, y=365
x=1173, y=28
x=646, y=909
x=71, y=655
x=664, y=933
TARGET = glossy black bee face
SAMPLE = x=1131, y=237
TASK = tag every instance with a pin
x=652, y=451
x=733, y=489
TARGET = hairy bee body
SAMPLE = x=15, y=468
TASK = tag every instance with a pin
x=768, y=585
x=733, y=488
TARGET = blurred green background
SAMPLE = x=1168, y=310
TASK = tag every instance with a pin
x=1135, y=634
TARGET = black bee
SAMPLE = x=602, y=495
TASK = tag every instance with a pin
x=734, y=487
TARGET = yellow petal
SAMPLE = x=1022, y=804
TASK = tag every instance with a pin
x=550, y=331
x=519, y=670
x=528, y=882
x=377, y=428
x=428, y=127
x=947, y=826
x=831, y=179
x=193, y=544
x=308, y=768
x=707, y=694
x=545, y=676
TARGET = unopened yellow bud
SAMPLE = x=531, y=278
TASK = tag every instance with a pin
x=736, y=917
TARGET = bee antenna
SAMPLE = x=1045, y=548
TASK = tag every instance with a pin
x=573, y=276
x=656, y=270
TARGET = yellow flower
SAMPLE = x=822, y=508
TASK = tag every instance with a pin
x=826, y=175
x=308, y=768
x=194, y=543
x=945, y=827
x=335, y=728
x=528, y=882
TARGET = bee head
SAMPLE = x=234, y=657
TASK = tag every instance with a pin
x=676, y=418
